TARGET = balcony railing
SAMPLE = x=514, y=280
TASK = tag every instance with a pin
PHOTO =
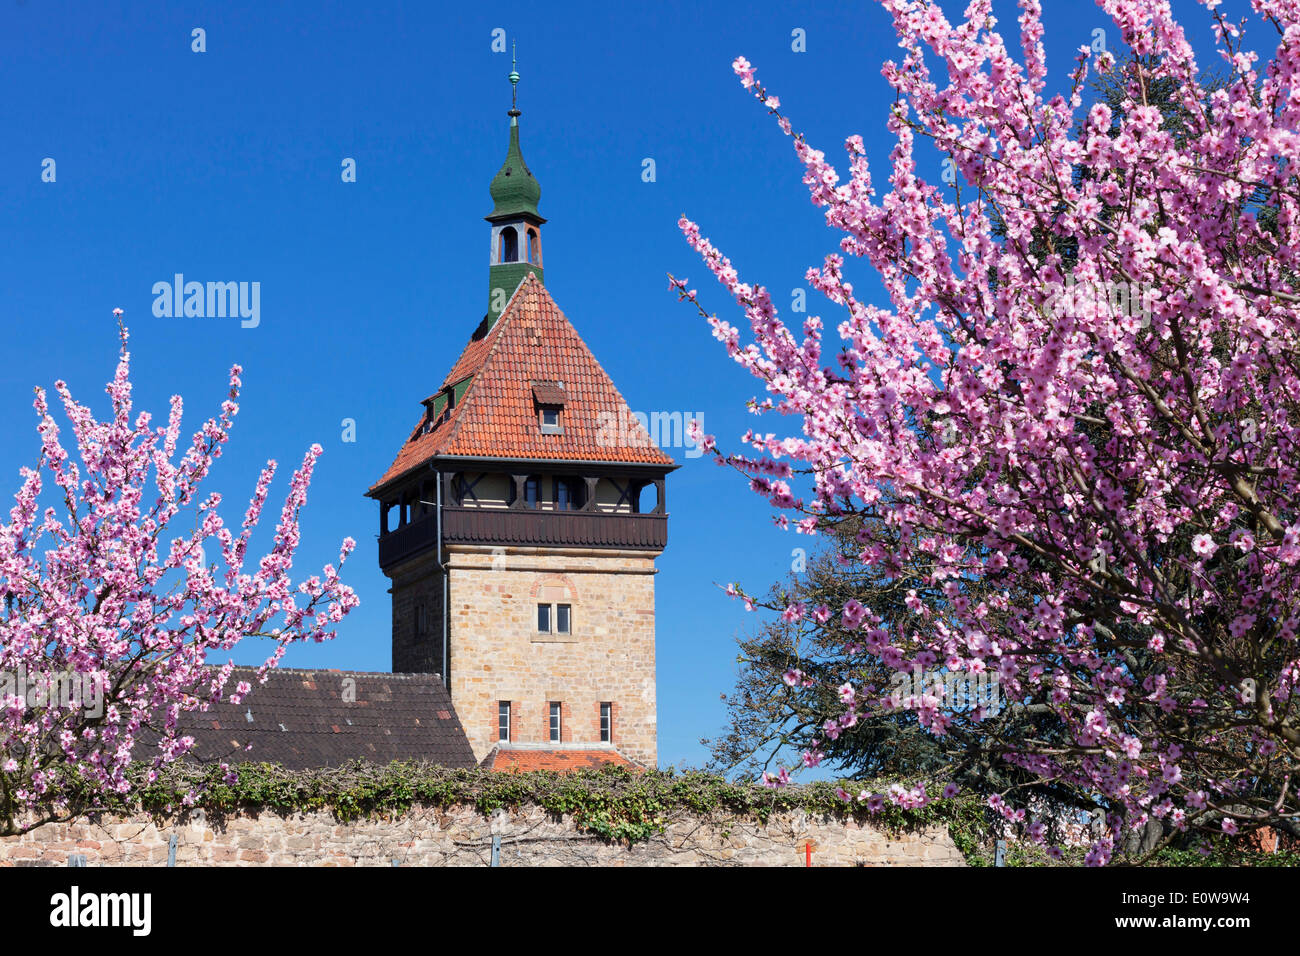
x=408, y=540
x=526, y=528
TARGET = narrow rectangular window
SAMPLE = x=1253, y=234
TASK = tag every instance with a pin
x=533, y=492
x=544, y=618
x=562, y=619
x=555, y=720
x=503, y=720
x=606, y=722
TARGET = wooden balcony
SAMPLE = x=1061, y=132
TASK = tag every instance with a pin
x=522, y=527
x=527, y=527
x=408, y=540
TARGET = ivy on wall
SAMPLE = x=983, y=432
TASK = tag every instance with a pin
x=613, y=802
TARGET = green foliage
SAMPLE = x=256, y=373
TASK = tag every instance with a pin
x=1224, y=851
x=770, y=722
x=614, y=803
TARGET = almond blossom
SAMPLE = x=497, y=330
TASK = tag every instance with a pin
x=1076, y=457
x=118, y=579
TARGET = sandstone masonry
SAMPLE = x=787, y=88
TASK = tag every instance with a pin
x=608, y=655
x=461, y=836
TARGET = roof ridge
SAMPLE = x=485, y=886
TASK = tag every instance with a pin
x=405, y=675
x=649, y=443
x=644, y=439
x=493, y=417
x=454, y=413
x=498, y=328
x=491, y=331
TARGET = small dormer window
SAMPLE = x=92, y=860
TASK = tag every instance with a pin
x=436, y=409
x=550, y=398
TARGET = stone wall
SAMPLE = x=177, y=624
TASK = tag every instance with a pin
x=417, y=615
x=497, y=653
x=461, y=836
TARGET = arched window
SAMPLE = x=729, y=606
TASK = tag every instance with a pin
x=509, y=244
x=534, y=247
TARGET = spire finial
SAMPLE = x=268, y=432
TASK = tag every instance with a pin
x=514, y=86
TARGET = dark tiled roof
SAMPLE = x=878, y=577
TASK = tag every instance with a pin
x=507, y=758
x=532, y=342
x=303, y=719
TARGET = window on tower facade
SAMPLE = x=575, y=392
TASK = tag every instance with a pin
x=555, y=721
x=562, y=615
x=509, y=245
x=570, y=494
x=503, y=720
x=551, y=420
x=544, y=618
x=606, y=722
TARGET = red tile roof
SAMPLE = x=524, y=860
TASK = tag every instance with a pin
x=532, y=342
x=549, y=393
x=561, y=760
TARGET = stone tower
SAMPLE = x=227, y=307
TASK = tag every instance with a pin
x=520, y=522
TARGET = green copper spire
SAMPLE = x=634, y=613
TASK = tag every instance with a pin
x=516, y=224
x=514, y=190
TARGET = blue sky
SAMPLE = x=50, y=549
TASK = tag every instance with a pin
x=225, y=166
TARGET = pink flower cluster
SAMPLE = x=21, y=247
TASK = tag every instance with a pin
x=1125, y=489
x=100, y=584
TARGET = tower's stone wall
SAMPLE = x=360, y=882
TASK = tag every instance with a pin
x=417, y=615
x=497, y=653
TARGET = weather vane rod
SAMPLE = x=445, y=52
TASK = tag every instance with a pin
x=514, y=80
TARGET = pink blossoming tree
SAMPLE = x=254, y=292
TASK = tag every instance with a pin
x=1091, y=495
x=109, y=613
